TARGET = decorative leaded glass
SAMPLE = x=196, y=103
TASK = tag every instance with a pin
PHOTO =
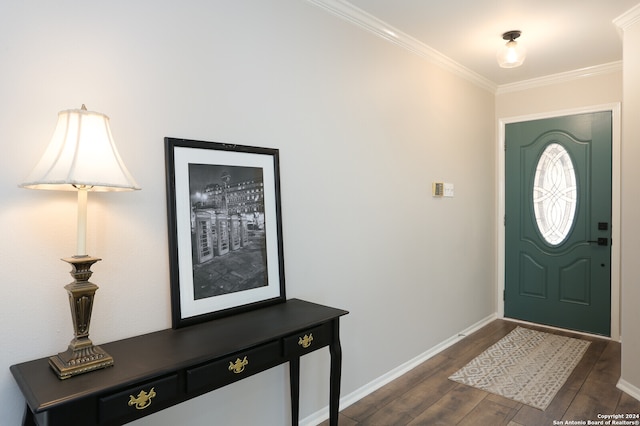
x=555, y=194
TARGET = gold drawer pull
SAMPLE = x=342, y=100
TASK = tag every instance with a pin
x=143, y=400
x=238, y=366
x=305, y=341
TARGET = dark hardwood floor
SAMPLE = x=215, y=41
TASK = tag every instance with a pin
x=425, y=395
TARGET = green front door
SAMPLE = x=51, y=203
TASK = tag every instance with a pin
x=558, y=222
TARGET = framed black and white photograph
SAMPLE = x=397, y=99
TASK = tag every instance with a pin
x=225, y=229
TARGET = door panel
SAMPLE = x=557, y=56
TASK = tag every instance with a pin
x=533, y=282
x=575, y=282
x=557, y=269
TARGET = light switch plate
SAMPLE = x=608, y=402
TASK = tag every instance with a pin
x=437, y=189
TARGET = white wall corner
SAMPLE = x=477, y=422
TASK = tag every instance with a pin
x=629, y=389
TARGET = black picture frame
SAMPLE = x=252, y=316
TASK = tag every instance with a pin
x=225, y=229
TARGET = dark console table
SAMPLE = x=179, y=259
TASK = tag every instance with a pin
x=157, y=370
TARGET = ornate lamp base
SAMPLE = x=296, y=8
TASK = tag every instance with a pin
x=81, y=356
x=74, y=362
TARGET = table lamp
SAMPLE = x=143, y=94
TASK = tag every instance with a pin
x=81, y=157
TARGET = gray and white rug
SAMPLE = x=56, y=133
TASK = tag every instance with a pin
x=527, y=366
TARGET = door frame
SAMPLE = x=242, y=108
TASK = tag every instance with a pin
x=614, y=108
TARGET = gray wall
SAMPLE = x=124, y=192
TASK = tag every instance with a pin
x=630, y=380
x=363, y=129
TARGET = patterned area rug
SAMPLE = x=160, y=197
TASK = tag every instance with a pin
x=527, y=366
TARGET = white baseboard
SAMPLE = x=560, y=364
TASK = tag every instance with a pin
x=628, y=388
x=323, y=414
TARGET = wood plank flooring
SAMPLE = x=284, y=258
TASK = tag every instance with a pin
x=425, y=395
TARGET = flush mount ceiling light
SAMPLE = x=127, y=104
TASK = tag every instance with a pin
x=512, y=54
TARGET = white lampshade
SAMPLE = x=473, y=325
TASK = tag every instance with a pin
x=81, y=154
x=511, y=55
x=81, y=157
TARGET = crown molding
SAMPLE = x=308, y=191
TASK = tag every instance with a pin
x=359, y=17
x=562, y=77
x=630, y=17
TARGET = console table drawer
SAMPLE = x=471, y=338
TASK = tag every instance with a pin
x=307, y=340
x=234, y=367
x=138, y=401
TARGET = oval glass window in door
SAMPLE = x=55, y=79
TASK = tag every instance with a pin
x=555, y=194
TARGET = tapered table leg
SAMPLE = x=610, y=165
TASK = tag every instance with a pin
x=294, y=383
x=336, y=372
x=27, y=419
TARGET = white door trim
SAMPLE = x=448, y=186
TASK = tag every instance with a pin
x=615, y=204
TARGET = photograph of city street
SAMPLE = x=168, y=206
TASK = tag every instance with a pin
x=227, y=229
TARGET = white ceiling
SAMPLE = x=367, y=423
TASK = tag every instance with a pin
x=559, y=35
